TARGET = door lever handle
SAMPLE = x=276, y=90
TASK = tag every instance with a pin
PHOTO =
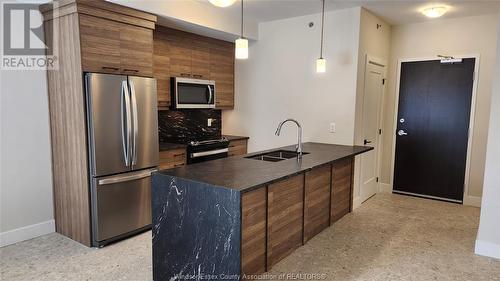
x=402, y=133
x=367, y=142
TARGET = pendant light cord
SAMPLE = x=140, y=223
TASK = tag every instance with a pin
x=322, y=28
x=241, y=34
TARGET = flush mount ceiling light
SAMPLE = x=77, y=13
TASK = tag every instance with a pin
x=434, y=12
x=321, y=62
x=222, y=3
x=241, y=44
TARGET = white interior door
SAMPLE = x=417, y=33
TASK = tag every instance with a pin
x=372, y=104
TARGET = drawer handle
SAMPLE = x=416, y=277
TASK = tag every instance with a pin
x=110, y=68
x=186, y=74
x=197, y=76
x=130, y=70
x=179, y=154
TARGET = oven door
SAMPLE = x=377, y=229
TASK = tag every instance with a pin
x=193, y=93
x=206, y=152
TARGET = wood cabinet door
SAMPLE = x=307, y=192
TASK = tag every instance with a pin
x=136, y=50
x=253, y=231
x=317, y=201
x=161, y=68
x=237, y=147
x=285, y=218
x=100, y=44
x=172, y=158
x=113, y=47
x=180, y=53
x=200, y=58
x=341, y=189
x=222, y=72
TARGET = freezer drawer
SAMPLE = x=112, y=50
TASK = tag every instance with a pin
x=121, y=204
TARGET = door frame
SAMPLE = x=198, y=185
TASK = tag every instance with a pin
x=466, y=200
x=382, y=63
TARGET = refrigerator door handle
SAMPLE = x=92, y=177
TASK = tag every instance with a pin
x=126, y=122
x=135, y=176
x=135, y=122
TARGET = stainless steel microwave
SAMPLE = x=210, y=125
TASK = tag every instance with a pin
x=193, y=93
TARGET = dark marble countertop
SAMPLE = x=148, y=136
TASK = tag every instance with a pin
x=233, y=138
x=244, y=174
x=165, y=146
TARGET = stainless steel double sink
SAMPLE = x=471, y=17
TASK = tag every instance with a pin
x=276, y=156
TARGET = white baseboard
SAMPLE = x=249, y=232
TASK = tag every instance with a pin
x=356, y=202
x=487, y=249
x=384, y=187
x=472, y=201
x=26, y=232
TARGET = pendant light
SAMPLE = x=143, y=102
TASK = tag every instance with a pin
x=321, y=62
x=241, y=44
x=222, y=3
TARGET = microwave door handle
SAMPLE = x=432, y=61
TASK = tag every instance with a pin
x=135, y=123
x=210, y=94
x=125, y=114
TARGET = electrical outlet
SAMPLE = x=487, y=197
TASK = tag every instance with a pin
x=332, y=128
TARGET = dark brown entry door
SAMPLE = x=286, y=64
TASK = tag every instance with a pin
x=432, y=128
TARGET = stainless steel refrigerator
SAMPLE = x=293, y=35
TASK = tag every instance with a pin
x=123, y=152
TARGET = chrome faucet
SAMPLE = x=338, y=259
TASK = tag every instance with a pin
x=299, y=133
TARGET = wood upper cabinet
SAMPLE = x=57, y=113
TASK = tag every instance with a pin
x=253, y=231
x=317, y=201
x=222, y=72
x=285, y=218
x=342, y=176
x=136, y=50
x=200, y=58
x=182, y=54
x=109, y=46
x=100, y=44
x=161, y=67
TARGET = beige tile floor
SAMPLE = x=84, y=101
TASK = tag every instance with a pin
x=390, y=237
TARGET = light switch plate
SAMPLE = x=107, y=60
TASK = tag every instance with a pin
x=209, y=122
x=332, y=128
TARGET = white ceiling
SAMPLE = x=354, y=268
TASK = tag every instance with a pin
x=396, y=12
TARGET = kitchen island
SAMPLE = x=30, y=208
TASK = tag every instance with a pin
x=241, y=215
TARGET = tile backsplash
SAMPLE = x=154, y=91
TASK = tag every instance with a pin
x=182, y=126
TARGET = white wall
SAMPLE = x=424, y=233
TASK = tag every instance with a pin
x=488, y=239
x=375, y=42
x=279, y=81
x=461, y=36
x=26, y=208
x=26, y=205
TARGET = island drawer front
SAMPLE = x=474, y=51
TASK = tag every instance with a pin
x=237, y=147
x=253, y=228
x=285, y=202
x=317, y=201
x=341, y=189
x=172, y=158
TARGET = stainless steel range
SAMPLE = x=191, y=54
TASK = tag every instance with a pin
x=200, y=151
